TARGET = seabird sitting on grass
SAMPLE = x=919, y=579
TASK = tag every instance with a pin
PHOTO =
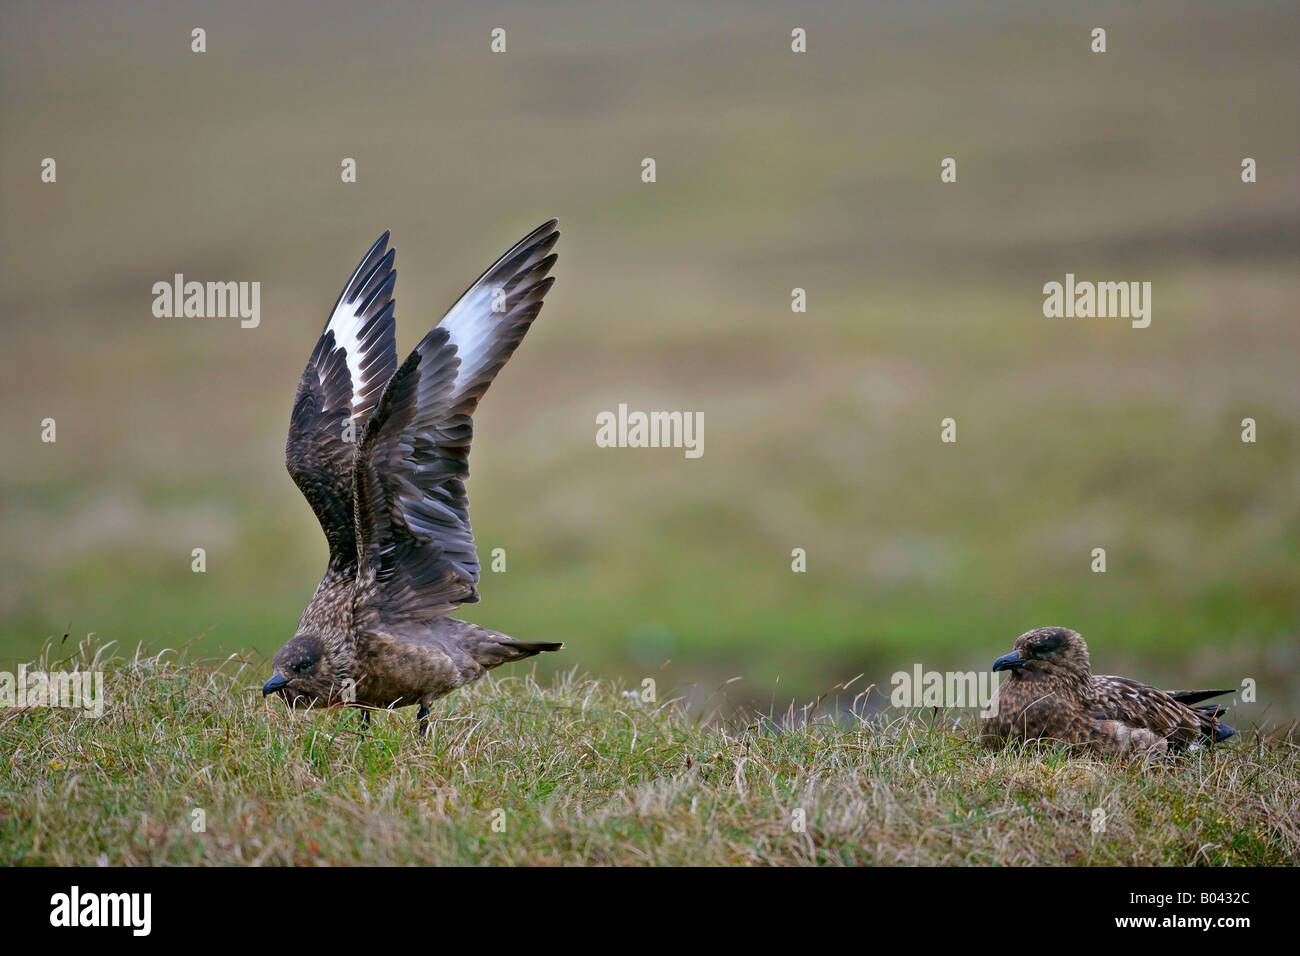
x=1052, y=694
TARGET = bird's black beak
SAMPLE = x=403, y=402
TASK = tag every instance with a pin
x=1009, y=662
x=276, y=682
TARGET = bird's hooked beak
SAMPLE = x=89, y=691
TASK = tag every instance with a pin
x=276, y=682
x=1009, y=662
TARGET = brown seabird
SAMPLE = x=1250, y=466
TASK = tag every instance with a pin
x=1052, y=694
x=381, y=453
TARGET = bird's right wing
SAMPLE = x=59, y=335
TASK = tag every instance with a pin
x=416, y=551
x=1139, y=705
x=352, y=362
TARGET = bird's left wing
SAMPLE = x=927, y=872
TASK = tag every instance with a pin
x=339, y=389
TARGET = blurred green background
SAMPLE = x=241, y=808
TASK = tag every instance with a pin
x=775, y=171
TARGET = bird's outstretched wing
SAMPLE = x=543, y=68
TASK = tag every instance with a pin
x=417, y=557
x=352, y=362
x=345, y=376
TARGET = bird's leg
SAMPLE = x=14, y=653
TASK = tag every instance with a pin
x=365, y=720
x=423, y=716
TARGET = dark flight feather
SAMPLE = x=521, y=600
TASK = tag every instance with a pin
x=1190, y=697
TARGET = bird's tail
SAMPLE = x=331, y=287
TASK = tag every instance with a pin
x=1222, y=731
x=536, y=647
x=1213, y=730
x=496, y=649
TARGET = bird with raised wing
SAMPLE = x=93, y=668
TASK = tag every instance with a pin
x=1051, y=694
x=381, y=453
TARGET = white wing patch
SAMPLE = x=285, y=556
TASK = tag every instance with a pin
x=346, y=326
x=487, y=322
x=362, y=326
x=471, y=324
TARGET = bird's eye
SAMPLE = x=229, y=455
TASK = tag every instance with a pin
x=302, y=666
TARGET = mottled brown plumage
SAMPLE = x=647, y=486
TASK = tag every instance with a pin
x=1051, y=693
x=381, y=453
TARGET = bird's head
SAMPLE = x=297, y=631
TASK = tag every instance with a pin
x=1045, y=651
x=303, y=673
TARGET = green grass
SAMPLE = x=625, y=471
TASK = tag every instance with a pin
x=580, y=772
